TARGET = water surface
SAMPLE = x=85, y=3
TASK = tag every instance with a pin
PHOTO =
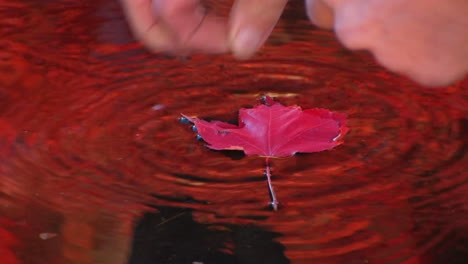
x=95, y=167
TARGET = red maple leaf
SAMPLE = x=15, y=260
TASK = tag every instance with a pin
x=274, y=130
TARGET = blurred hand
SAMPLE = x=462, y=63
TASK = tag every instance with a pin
x=426, y=40
x=185, y=26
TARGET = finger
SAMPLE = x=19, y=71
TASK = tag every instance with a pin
x=251, y=23
x=193, y=27
x=144, y=25
x=320, y=14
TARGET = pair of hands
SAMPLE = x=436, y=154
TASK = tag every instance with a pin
x=426, y=40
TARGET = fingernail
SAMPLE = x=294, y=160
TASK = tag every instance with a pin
x=246, y=43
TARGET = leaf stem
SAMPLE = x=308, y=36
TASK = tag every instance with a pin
x=274, y=201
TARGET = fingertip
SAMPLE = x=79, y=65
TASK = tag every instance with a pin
x=245, y=43
x=210, y=37
x=192, y=27
x=251, y=23
x=320, y=14
x=158, y=39
x=145, y=26
x=434, y=79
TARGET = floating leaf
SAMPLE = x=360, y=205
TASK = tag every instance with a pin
x=273, y=130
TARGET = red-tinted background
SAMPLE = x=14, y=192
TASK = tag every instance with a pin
x=89, y=137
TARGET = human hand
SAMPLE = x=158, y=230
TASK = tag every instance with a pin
x=426, y=40
x=185, y=26
x=423, y=39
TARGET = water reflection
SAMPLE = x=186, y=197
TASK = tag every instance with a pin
x=198, y=243
x=90, y=142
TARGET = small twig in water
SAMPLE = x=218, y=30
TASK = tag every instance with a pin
x=165, y=221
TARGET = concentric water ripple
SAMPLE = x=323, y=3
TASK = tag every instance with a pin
x=96, y=124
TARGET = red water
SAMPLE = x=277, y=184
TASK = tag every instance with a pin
x=89, y=136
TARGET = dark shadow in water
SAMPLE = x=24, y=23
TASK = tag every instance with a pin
x=450, y=251
x=171, y=236
x=233, y=154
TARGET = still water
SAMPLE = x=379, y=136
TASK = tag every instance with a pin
x=95, y=167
